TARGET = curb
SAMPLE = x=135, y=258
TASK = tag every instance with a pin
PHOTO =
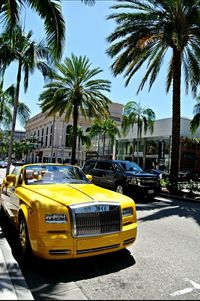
x=12, y=283
x=185, y=199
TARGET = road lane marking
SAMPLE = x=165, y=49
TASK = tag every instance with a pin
x=187, y=289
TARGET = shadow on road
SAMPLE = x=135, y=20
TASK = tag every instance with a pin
x=169, y=207
x=42, y=276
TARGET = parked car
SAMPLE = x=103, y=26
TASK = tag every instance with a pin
x=3, y=164
x=60, y=213
x=124, y=177
x=88, y=165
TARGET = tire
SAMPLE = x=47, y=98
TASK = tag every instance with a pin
x=119, y=188
x=24, y=242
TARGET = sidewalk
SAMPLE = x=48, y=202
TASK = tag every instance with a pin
x=12, y=283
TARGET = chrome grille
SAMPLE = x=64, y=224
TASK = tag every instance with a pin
x=95, y=219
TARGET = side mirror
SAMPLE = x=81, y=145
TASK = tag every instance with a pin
x=11, y=179
x=89, y=177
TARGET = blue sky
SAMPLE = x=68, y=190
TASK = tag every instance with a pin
x=86, y=33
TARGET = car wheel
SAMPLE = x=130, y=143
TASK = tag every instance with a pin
x=119, y=188
x=25, y=247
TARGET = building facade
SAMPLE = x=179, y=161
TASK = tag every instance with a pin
x=52, y=134
x=154, y=149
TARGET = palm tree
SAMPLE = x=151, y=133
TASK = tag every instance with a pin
x=29, y=56
x=83, y=139
x=5, y=110
x=144, y=118
x=195, y=122
x=75, y=91
x=48, y=10
x=145, y=31
x=6, y=107
x=106, y=128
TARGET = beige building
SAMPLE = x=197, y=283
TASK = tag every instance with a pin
x=53, y=132
x=154, y=149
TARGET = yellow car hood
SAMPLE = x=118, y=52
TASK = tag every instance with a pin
x=76, y=193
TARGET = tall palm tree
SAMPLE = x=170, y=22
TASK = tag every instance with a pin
x=195, y=122
x=144, y=118
x=145, y=31
x=106, y=128
x=49, y=10
x=5, y=110
x=29, y=55
x=6, y=107
x=74, y=90
x=83, y=139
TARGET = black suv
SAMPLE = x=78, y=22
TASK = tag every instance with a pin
x=124, y=177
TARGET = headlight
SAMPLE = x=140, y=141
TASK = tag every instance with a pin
x=55, y=218
x=132, y=180
x=127, y=211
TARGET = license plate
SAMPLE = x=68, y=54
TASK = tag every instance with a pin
x=150, y=191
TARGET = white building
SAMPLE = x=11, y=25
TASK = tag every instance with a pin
x=154, y=149
x=53, y=132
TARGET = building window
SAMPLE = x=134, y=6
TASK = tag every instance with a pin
x=67, y=142
x=51, y=135
x=42, y=137
x=38, y=135
x=46, y=141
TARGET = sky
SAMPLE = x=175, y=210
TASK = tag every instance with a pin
x=86, y=33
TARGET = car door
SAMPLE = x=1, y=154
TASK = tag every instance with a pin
x=109, y=175
x=98, y=173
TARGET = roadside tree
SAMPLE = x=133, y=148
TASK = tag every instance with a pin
x=195, y=122
x=142, y=117
x=145, y=32
x=74, y=90
x=105, y=128
x=29, y=55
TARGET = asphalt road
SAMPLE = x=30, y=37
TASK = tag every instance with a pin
x=163, y=263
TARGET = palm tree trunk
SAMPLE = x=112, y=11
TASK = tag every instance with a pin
x=98, y=145
x=16, y=100
x=114, y=149
x=104, y=140
x=74, y=136
x=176, y=114
x=138, y=130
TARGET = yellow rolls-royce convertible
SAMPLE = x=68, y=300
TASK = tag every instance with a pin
x=60, y=214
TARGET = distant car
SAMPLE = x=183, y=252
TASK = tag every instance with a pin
x=60, y=214
x=3, y=164
x=124, y=177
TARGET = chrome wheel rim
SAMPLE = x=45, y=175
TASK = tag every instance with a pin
x=22, y=235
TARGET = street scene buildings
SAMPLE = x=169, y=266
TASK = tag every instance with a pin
x=154, y=148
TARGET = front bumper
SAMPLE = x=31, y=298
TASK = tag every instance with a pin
x=143, y=191
x=63, y=246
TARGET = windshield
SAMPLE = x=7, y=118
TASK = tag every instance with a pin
x=129, y=166
x=53, y=174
